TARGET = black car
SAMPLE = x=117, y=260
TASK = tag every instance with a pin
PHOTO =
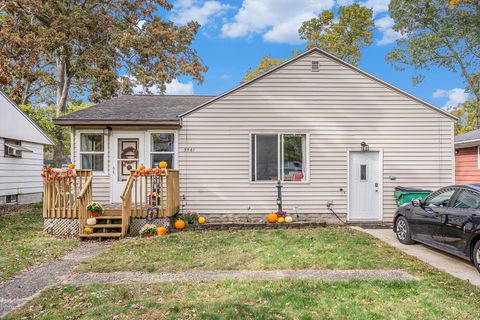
x=448, y=219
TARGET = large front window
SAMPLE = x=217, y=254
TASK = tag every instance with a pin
x=92, y=151
x=279, y=156
x=162, y=148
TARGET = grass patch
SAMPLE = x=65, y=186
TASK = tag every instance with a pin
x=22, y=242
x=436, y=297
x=317, y=248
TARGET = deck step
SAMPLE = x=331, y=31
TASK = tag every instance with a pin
x=102, y=235
x=106, y=225
x=113, y=212
x=109, y=217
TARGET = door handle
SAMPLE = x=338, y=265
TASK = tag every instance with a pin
x=376, y=184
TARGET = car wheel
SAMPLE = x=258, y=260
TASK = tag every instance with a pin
x=476, y=255
x=402, y=230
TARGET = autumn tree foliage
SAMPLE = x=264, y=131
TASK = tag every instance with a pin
x=93, y=47
x=439, y=33
x=59, y=49
x=343, y=37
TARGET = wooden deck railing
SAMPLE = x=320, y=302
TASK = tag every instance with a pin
x=60, y=197
x=145, y=192
x=83, y=199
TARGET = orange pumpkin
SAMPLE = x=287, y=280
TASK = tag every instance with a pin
x=141, y=168
x=163, y=165
x=272, y=218
x=71, y=166
x=161, y=231
x=179, y=225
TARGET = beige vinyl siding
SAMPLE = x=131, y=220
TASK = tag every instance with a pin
x=21, y=175
x=339, y=108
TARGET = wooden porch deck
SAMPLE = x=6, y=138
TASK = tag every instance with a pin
x=68, y=198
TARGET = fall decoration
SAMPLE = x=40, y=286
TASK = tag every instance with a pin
x=201, y=220
x=50, y=174
x=281, y=220
x=88, y=230
x=95, y=209
x=272, y=218
x=161, y=231
x=143, y=171
x=163, y=165
x=148, y=230
x=189, y=216
x=91, y=221
x=288, y=219
x=179, y=224
x=71, y=166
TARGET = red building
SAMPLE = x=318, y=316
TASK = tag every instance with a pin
x=467, y=166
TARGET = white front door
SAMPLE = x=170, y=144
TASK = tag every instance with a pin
x=364, y=186
x=127, y=155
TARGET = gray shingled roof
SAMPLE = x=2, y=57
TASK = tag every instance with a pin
x=135, y=109
x=472, y=135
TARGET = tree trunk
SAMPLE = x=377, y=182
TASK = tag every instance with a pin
x=63, y=85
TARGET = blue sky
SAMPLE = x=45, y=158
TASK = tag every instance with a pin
x=236, y=34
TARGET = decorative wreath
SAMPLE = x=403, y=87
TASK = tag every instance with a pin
x=126, y=152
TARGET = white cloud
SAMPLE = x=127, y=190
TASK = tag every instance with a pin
x=191, y=10
x=276, y=20
x=455, y=96
x=385, y=25
x=345, y=2
x=378, y=6
x=174, y=87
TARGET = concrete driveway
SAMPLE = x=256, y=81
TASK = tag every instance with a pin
x=457, y=267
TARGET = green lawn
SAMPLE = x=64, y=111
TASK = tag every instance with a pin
x=22, y=242
x=325, y=248
x=434, y=295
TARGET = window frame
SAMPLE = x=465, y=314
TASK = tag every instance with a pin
x=478, y=157
x=106, y=150
x=148, y=147
x=12, y=142
x=280, y=157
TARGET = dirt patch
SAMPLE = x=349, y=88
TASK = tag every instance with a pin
x=16, y=208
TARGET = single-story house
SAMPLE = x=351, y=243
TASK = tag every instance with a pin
x=335, y=135
x=467, y=165
x=21, y=155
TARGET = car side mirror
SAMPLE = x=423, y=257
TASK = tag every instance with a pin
x=418, y=202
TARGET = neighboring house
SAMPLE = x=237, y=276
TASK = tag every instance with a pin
x=467, y=165
x=21, y=155
x=330, y=131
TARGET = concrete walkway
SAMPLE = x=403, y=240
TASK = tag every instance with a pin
x=218, y=275
x=27, y=284
x=445, y=262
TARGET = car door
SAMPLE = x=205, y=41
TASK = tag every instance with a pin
x=426, y=220
x=458, y=222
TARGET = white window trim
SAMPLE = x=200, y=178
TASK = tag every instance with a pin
x=478, y=157
x=106, y=149
x=278, y=133
x=148, y=147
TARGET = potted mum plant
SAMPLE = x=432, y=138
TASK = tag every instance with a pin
x=190, y=217
x=95, y=209
x=148, y=230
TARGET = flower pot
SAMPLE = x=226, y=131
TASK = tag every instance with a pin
x=95, y=214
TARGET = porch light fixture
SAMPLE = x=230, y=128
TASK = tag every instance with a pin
x=364, y=146
x=107, y=131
